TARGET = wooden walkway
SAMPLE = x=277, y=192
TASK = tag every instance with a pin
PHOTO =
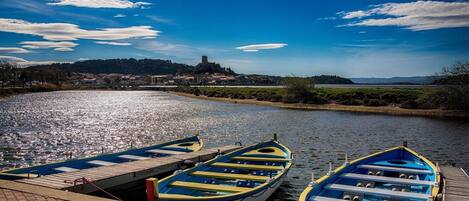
x=456, y=184
x=15, y=191
x=114, y=175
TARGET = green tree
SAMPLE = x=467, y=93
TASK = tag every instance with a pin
x=301, y=90
x=456, y=85
x=7, y=72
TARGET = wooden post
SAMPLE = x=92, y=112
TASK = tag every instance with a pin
x=152, y=189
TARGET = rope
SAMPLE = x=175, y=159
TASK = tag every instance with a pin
x=86, y=181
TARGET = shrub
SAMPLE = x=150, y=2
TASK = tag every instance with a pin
x=289, y=98
x=275, y=98
x=351, y=102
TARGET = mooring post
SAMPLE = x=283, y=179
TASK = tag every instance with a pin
x=313, y=180
x=152, y=189
x=404, y=143
x=275, y=136
x=330, y=169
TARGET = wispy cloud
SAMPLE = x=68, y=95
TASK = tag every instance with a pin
x=164, y=48
x=63, y=46
x=113, y=43
x=257, y=47
x=119, y=15
x=159, y=19
x=10, y=50
x=416, y=16
x=100, y=3
x=66, y=31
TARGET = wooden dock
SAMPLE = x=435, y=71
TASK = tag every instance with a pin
x=15, y=191
x=456, y=184
x=114, y=175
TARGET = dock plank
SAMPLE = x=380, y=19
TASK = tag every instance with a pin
x=118, y=174
x=35, y=192
x=456, y=184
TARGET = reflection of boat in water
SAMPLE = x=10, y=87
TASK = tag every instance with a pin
x=180, y=146
x=395, y=174
x=252, y=173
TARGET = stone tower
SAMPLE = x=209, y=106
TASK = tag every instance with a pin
x=204, y=59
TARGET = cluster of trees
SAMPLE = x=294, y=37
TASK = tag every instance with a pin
x=12, y=75
x=331, y=79
x=137, y=67
x=455, y=80
x=123, y=66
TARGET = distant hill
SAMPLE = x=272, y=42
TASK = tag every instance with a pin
x=331, y=79
x=396, y=80
x=135, y=66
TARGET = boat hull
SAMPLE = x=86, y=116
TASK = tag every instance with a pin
x=223, y=174
x=164, y=149
x=398, y=174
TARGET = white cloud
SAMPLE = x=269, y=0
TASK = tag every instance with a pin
x=257, y=47
x=354, y=14
x=9, y=50
x=63, y=46
x=113, y=43
x=100, y=3
x=416, y=16
x=24, y=62
x=66, y=31
x=120, y=15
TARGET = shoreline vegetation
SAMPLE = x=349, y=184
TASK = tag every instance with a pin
x=405, y=102
x=11, y=91
x=226, y=95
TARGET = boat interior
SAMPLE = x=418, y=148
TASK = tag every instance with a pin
x=237, y=172
x=389, y=176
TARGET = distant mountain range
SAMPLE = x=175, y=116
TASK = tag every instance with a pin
x=396, y=80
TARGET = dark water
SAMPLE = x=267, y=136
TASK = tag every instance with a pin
x=42, y=127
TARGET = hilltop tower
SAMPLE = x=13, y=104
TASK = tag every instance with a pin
x=204, y=59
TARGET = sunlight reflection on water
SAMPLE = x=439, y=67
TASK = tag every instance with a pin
x=43, y=127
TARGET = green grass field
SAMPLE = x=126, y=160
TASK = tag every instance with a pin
x=405, y=97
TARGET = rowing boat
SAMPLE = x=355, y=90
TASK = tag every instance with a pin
x=180, y=146
x=398, y=173
x=251, y=173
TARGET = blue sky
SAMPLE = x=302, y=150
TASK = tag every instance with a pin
x=352, y=38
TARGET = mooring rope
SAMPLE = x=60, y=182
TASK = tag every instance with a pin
x=86, y=181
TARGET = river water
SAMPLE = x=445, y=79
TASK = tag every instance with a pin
x=42, y=127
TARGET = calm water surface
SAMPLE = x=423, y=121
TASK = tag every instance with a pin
x=43, y=127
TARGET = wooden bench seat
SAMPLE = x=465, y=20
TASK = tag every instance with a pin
x=378, y=192
x=395, y=169
x=220, y=175
x=209, y=187
x=386, y=179
x=247, y=166
x=262, y=159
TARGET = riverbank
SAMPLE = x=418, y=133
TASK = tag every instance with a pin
x=391, y=110
x=11, y=91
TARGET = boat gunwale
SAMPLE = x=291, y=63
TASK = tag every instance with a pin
x=433, y=193
x=253, y=191
x=7, y=172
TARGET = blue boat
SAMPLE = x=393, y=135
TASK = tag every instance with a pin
x=180, y=146
x=251, y=173
x=394, y=174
